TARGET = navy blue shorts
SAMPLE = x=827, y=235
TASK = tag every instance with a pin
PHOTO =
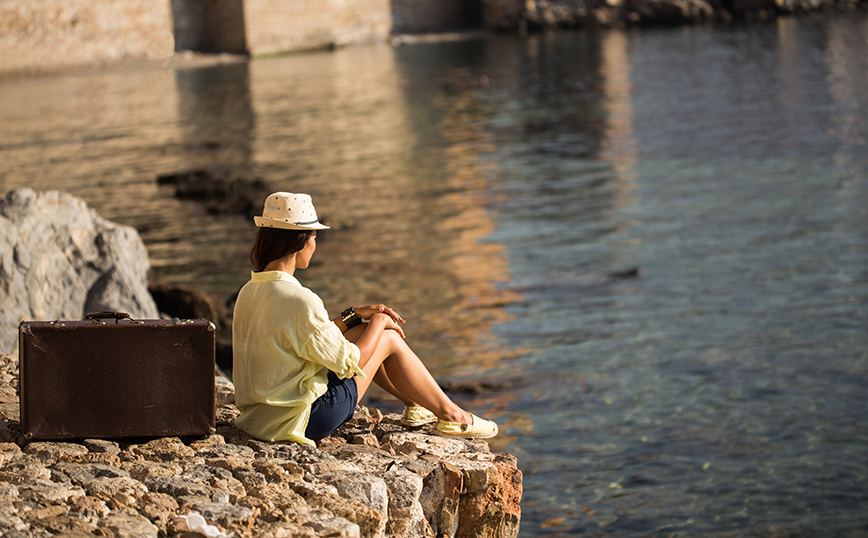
x=332, y=409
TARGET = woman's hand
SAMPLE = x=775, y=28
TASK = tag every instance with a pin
x=389, y=323
x=365, y=312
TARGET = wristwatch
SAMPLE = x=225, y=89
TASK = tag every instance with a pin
x=350, y=318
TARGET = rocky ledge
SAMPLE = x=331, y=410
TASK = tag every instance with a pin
x=373, y=478
x=526, y=15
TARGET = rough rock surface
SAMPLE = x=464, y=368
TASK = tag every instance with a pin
x=374, y=478
x=524, y=15
x=59, y=259
x=40, y=35
x=185, y=303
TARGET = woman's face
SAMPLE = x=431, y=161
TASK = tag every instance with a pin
x=302, y=259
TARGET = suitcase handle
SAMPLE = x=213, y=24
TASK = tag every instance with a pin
x=117, y=316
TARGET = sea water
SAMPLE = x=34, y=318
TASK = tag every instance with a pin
x=644, y=253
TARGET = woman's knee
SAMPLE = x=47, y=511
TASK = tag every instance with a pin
x=392, y=342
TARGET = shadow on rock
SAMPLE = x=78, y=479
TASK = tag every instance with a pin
x=184, y=303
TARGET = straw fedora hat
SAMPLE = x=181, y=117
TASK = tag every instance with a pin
x=289, y=211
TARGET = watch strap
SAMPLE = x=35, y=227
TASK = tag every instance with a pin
x=350, y=318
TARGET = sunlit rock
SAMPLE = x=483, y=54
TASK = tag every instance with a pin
x=410, y=484
x=59, y=260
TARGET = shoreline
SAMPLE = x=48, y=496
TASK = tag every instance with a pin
x=540, y=19
x=372, y=478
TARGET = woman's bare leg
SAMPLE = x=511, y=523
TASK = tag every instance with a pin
x=406, y=377
x=382, y=380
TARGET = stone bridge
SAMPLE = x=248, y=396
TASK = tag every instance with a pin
x=48, y=35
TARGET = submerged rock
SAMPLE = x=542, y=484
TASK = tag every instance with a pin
x=219, y=191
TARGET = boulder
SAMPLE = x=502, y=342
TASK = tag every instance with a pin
x=89, y=509
x=185, y=303
x=24, y=469
x=117, y=491
x=59, y=260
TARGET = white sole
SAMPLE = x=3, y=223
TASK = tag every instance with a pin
x=467, y=435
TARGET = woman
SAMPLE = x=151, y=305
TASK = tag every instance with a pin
x=298, y=375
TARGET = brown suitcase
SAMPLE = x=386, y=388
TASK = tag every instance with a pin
x=110, y=376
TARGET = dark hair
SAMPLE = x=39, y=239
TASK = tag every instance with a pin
x=274, y=243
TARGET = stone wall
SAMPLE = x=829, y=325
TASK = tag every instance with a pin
x=47, y=35
x=274, y=26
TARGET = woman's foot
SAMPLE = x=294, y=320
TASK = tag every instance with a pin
x=417, y=416
x=478, y=429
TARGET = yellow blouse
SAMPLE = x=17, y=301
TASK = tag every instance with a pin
x=283, y=346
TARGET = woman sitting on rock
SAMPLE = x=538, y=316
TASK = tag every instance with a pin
x=298, y=375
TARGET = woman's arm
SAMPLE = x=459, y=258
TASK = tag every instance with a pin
x=377, y=324
x=365, y=313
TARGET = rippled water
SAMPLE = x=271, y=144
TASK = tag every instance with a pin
x=655, y=242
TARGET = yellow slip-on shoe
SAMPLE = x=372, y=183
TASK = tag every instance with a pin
x=480, y=429
x=417, y=416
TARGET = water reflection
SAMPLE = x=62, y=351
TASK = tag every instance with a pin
x=847, y=77
x=501, y=193
x=76, y=132
x=618, y=144
x=399, y=175
x=215, y=115
x=691, y=397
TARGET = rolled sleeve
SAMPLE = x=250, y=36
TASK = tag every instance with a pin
x=325, y=344
x=328, y=347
